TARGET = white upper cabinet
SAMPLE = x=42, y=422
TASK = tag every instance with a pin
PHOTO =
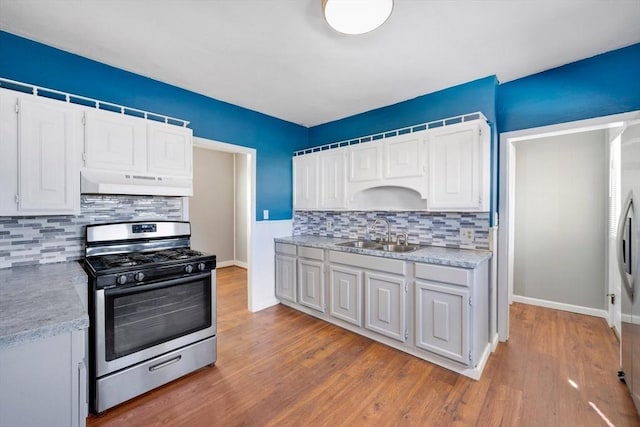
x=404, y=156
x=114, y=141
x=118, y=142
x=169, y=149
x=365, y=162
x=459, y=167
x=438, y=169
x=40, y=155
x=305, y=181
x=397, y=161
x=333, y=179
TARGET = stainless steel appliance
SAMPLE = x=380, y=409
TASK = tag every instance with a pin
x=152, y=308
x=628, y=253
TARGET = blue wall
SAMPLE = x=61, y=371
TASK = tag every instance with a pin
x=605, y=84
x=478, y=95
x=602, y=85
x=274, y=139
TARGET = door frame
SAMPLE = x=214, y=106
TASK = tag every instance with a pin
x=210, y=144
x=506, y=208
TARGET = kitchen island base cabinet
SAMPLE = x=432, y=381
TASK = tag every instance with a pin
x=44, y=382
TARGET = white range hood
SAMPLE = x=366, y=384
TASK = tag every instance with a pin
x=107, y=182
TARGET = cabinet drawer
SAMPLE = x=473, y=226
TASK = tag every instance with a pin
x=285, y=248
x=388, y=265
x=311, y=253
x=442, y=273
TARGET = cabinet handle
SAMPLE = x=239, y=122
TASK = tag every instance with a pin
x=163, y=364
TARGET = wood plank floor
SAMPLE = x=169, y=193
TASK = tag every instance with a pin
x=279, y=367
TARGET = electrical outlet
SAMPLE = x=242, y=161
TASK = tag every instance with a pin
x=265, y=214
x=467, y=235
x=329, y=225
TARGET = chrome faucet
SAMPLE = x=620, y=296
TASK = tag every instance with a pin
x=405, y=239
x=378, y=220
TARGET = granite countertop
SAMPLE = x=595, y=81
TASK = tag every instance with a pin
x=41, y=301
x=465, y=258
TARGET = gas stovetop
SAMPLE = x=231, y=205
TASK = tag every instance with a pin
x=137, y=259
x=133, y=253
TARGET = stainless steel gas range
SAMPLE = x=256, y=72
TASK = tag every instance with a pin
x=152, y=308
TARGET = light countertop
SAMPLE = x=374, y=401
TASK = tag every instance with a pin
x=453, y=257
x=40, y=301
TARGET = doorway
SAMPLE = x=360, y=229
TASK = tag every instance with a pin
x=507, y=207
x=560, y=221
x=222, y=210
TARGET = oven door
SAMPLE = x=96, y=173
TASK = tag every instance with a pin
x=138, y=323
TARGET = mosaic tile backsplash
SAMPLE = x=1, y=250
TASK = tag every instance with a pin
x=424, y=228
x=44, y=239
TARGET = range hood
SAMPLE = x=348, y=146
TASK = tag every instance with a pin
x=108, y=182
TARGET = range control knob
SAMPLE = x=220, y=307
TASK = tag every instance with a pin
x=188, y=269
x=122, y=279
x=139, y=276
x=201, y=266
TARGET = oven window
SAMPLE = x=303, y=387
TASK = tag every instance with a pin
x=142, y=319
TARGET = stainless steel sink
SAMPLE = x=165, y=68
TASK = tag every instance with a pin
x=387, y=247
x=399, y=248
x=362, y=244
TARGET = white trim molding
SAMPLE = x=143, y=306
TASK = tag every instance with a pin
x=562, y=306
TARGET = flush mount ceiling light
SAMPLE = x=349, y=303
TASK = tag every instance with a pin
x=356, y=16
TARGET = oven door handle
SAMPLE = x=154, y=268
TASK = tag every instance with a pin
x=158, y=285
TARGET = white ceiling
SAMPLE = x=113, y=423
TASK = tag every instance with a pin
x=280, y=58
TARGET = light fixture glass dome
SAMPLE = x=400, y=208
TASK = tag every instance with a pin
x=356, y=16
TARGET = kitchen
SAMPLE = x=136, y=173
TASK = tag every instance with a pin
x=508, y=106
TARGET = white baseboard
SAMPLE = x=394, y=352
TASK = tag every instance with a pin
x=232, y=263
x=265, y=304
x=562, y=306
x=223, y=264
x=494, y=342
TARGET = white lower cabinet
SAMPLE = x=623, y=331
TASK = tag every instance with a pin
x=436, y=312
x=346, y=294
x=385, y=305
x=286, y=272
x=311, y=283
x=441, y=320
x=44, y=382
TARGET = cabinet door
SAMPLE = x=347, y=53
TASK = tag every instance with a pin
x=115, y=141
x=385, y=305
x=455, y=174
x=333, y=179
x=8, y=152
x=169, y=149
x=48, y=164
x=346, y=294
x=442, y=316
x=311, y=284
x=365, y=162
x=404, y=156
x=305, y=182
x=286, y=277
